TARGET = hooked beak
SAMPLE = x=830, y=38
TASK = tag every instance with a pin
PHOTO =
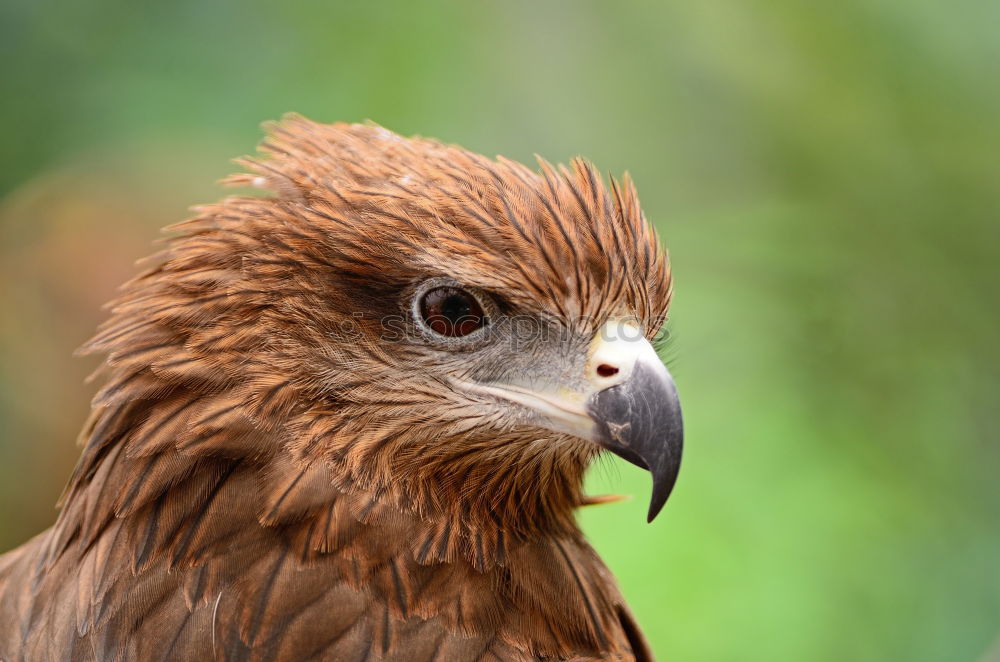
x=629, y=406
x=640, y=421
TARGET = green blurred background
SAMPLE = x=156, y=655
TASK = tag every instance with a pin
x=826, y=175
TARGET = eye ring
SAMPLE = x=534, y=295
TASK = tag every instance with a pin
x=448, y=311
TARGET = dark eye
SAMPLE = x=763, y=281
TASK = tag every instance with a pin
x=451, y=311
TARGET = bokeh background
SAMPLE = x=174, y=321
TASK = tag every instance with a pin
x=826, y=175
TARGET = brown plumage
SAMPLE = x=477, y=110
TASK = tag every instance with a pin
x=282, y=466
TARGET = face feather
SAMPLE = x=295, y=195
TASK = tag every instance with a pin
x=288, y=438
x=294, y=314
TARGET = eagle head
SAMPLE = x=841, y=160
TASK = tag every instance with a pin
x=450, y=332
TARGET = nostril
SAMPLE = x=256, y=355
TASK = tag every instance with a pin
x=605, y=370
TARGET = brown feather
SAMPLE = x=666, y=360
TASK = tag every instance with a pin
x=256, y=486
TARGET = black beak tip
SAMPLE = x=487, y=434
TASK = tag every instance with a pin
x=655, y=506
x=661, y=492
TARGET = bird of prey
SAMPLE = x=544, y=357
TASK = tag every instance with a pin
x=348, y=419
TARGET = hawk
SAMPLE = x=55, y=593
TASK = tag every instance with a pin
x=349, y=420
